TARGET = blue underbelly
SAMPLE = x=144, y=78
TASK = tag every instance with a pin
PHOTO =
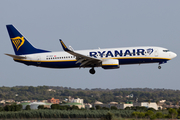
x=72, y=64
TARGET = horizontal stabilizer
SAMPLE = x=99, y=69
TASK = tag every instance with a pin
x=15, y=56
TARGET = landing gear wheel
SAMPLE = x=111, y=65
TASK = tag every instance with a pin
x=92, y=71
x=159, y=67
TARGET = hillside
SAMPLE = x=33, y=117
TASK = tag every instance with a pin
x=20, y=93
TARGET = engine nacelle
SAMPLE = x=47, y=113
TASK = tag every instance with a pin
x=110, y=64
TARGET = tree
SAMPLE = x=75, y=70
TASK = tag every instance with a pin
x=177, y=102
x=98, y=107
x=74, y=107
x=135, y=114
x=138, y=108
x=89, y=96
x=152, y=109
x=1, y=109
x=113, y=108
x=141, y=115
x=28, y=107
x=19, y=107
x=173, y=113
x=149, y=113
x=55, y=106
x=178, y=112
x=92, y=108
x=109, y=116
x=13, y=107
x=7, y=108
x=40, y=107
x=159, y=115
x=105, y=108
x=153, y=117
x=128, y=108
x=65, y=107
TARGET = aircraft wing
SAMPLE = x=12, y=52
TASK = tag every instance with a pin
x=85, y=61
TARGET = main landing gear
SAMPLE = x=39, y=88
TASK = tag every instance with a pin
x=92, y=71
x=159, y=67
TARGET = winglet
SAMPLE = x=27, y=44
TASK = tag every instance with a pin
x=63, y=45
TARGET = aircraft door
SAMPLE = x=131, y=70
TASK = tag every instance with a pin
x=156, y=52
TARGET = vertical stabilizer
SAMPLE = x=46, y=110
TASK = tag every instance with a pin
x=20, y=44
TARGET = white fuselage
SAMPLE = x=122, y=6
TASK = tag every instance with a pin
x=129, y=55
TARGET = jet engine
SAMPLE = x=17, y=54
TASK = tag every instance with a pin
x=110, y=64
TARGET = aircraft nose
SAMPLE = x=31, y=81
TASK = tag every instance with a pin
x=173, y=55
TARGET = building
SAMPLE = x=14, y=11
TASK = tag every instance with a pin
x=10, y=101
x=113, y=104
x=80, y=105
x=54, y=101
x=78, y=100
x=119, y=106
x=123, y=106
x=24, y=104
x=88, y=105
x=162, y=101
x=147, y=104
x=33, y=101
x=51, y=90
x=3, y=101
x=44, y=101
x=34, y=105
x=69, y=99
x=98, y=103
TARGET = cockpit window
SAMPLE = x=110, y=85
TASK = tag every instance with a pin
x=166, y=50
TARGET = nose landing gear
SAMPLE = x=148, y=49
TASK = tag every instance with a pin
x=92, y=71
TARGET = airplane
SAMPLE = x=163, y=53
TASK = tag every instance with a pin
x=110, y=58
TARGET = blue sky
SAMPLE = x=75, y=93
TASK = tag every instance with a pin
x=89, y=25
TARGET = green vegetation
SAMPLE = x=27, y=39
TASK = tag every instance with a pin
x=109, y=116
x=20, y=93
x=57, y=111
x=103, y=114
x=65, y=114
x=12, y=107
x=28, y=107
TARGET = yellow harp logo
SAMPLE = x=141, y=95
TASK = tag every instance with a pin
x=18, y=42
